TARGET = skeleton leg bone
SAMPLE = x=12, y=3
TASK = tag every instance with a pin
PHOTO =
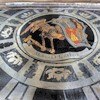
x=52, y=50
x=43, y=42
x=29, y=39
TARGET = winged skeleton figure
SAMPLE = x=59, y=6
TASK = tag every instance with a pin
x=62, y=30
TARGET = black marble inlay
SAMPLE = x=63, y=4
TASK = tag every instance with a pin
x=2, y=19
x=97, y=12
x=4, y=78
x=44, y=94
x=13, y=21
x=98, y=28
x=7, y=32
x=95, y=60
x=26, y=14
x=72, y=76
x=86, y=15
x=16, y=67
x=12, y=11
x=97, y=22
x=75, y=94
x=31, y=71
x=4, y=45
x=85, y=70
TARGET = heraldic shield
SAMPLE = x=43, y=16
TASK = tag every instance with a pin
x=74, y=31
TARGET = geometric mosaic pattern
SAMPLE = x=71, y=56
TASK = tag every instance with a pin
x=23, y=77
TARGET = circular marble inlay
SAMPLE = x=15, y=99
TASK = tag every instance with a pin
x=51, y=49
x=56, y=37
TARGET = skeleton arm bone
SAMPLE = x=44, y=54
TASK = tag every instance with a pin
x=28, y=28
x=32, y=26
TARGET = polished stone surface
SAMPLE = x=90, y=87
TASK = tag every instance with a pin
x=27, y=73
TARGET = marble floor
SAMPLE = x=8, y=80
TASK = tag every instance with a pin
x=38, y=69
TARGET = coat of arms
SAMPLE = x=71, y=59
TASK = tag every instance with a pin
x=69, y=29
